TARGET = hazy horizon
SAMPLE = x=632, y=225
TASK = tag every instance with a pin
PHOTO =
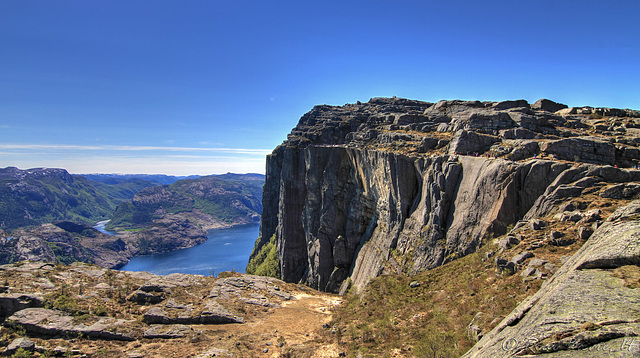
x=187, y=88
x=123, y=173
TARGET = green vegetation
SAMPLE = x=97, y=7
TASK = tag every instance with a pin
x=224, y=197
x=63, y=256
x=34, y=201
x=128, y=215
x=121, y=189
x=38, y=196
x=265, y=262
x=22, y=353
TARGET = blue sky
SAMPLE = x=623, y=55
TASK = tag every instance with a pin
x=202, y=87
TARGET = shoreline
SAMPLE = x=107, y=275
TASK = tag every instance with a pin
x=192, y=265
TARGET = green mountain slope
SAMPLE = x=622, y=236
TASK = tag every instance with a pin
x=211, y=201
x=120, y=189
x=43, y=195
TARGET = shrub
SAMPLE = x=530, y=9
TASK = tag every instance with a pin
x=266, y=262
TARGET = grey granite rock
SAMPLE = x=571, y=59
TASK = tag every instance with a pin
x=47, y=322
x=548, y=105
x=18, y=343
x=584, y=307
x=171, y=331
x=353, y=184
x=11, y=303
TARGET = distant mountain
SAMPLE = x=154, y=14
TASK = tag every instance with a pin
x=120, y=189
x=214, y=201
x=157, y=179
x=46, y=214
x=44, y=195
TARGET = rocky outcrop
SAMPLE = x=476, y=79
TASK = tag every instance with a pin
x=84, y=310
x=12, y=303
x=397, y=185
x=212, y=313
x=66, y=242
x=46, y=322
x=587, y=309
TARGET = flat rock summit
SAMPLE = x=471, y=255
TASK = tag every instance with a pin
x=428, y=181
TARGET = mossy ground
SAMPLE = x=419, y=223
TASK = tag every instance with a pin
x=390, y=318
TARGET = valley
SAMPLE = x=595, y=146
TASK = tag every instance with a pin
x=46, y=219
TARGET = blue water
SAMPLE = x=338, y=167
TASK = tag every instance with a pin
x=100, y=227
x=225, y=250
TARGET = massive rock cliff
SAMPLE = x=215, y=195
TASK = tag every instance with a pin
x=401, y=186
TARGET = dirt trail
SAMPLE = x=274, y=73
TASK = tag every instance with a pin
x=294, y=325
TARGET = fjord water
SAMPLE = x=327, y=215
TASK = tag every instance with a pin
x=224, y=250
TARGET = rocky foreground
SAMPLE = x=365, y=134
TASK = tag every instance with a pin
x=85, y=310
x=589, y=308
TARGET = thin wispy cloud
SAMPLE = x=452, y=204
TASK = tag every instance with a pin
x=133, y=148
x=134, y=159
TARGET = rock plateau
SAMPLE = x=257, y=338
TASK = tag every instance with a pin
x=402, y=186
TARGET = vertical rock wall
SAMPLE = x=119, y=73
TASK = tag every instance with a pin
x=352, y=213
x=402, y=186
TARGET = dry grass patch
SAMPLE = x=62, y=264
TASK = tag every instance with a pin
x=431, y=319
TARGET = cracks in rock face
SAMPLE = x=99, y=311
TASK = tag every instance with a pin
x=569, y=340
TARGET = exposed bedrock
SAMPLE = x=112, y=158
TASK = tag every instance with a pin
x=589, y=308
x=343, y=212
x=402, y=186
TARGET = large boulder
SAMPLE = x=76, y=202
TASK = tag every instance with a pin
x=212, y=313
x=583, y=149
x=511, y=104
x=12, y=303
x=547, y=105
x=19, y=343
x=168, y=331
x=467, y=142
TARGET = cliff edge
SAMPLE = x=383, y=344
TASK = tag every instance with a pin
x=401, y=186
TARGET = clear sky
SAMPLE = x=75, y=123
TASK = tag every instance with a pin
x=204, y=86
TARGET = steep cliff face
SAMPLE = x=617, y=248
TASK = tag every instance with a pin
x=396, y=185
